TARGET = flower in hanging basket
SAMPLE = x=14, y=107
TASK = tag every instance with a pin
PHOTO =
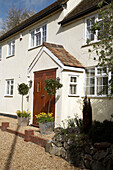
x=44, y=117
x=23, y=114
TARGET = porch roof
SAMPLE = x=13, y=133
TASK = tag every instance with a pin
x=59, y=55
x=65, y=57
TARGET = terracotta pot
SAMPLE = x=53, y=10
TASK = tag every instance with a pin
x=46, y=128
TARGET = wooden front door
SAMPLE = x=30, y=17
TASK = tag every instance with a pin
x=41, y=98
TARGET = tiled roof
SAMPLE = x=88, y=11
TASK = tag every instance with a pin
x=83, y=8
x=38, y=16
x=66, y=58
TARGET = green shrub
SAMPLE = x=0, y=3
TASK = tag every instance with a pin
x=101, y=131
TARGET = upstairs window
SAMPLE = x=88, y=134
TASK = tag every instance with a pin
x=11, y=48
x=97, y=80
x=73, y=85
x=9, y=87
x=89, y=35
x=0, y=53
x=38, y=36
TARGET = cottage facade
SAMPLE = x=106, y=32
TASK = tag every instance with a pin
x=52, y=44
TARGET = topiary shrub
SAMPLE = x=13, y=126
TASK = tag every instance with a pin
x=101, y=131
x=23, y=89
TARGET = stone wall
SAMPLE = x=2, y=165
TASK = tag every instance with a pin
x=77, y=149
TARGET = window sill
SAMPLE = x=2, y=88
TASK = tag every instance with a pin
x=32, y=48
x=73, y=95
x=97, y=97
x=10, y=56
x=8, y=95
x=91, y=43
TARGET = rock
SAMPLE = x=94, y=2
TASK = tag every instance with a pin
x=66, y=146
x=102, y=145
x=107, y=159
x=110, y=165
x=102, y=155
x=58, y=130
x=63, y=153
x=87, y=164
x=55, y=150
x=48, y=146
x=93, y=151
x=58, y=144
x=87, y=149
x=73, y=130
x=96, y=165
x=88, y=157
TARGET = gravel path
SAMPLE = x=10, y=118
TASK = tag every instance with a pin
x=15, y=154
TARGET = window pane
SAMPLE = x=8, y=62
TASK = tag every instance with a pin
x=38, y=39
x=32, y=39
x=7, y=92
x=73, y=79
x=9, y=48
x=72, y=89
x=13, y=47
x=11, y=90
x=90, y=81
x=44, y=32
x=89, y=33
x=102, y=85
x=9, y=87
x=92, y=90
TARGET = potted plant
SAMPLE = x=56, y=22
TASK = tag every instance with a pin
x=46, y=122
x=23, y=117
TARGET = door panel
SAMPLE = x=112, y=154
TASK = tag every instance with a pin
x=41, y=98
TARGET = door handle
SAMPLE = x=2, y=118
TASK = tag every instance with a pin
x=42, y=95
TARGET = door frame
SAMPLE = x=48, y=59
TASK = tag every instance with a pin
x=46, y=70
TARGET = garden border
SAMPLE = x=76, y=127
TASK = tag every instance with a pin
x=28, y=136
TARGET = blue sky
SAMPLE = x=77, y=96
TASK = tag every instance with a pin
x=37, y=5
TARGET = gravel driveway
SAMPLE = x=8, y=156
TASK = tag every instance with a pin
x=15, y=154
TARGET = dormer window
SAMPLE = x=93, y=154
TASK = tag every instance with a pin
x=11, y=48
x=38, y=36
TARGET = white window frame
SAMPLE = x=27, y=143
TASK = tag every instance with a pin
x=0, y=53
x=11, y=47
x=95, y=35
x=9, y=87
x=73, y=83
x=39, y=32
x=96, y=75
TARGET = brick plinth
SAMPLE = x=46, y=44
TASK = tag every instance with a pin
x=5, y=125
x=28, y=134
x=39, y=141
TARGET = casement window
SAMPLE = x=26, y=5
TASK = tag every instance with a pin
x=73, y=81
x=38, y=36
x=9, y=87
x=97, y=81
x=89, y=35
x=0, y=53
x=11, y=48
